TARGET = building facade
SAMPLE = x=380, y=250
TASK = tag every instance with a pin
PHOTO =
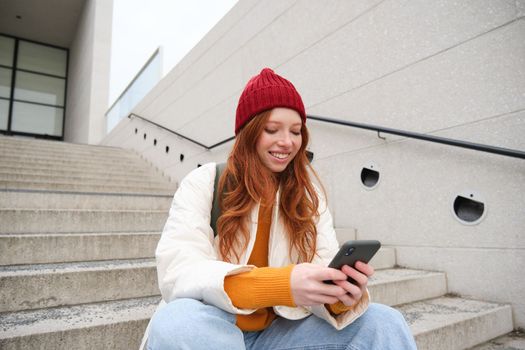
x=54, y=69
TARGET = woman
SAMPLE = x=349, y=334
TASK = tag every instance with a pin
x=259, y=283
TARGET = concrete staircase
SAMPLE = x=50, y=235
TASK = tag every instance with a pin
x=78, y=229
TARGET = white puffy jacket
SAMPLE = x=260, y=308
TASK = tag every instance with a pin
x=188, y=265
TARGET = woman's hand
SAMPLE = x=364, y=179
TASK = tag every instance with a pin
x=308, y=288
x=360, y=275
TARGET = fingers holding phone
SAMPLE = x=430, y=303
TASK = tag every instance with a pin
x=364, y=268
x=345, y=279
x=308, y=289
x=356, y=283
x=352, y=259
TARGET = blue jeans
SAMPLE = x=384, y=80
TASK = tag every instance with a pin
x=190, y=324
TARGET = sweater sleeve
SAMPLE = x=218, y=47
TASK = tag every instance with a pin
x=260, y=287
x=338, y=308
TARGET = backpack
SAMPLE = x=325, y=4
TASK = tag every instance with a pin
x=215, y=209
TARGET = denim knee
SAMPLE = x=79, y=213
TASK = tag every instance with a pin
x=171, y=321
x=190, y=324
x=382, y=316
x=389, y=326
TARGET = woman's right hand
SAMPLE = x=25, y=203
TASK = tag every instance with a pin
x=308, y=288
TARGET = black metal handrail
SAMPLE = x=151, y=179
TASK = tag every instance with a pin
x=133, y=115
x=436, y=139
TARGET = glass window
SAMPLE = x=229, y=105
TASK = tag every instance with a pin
x=4, y=111
x=7, y=51
x=42, y=59
x=39, y=88
x=37, y=119
x=139, y=87
x=5, y=82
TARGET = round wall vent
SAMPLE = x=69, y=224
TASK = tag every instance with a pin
x=468, y=208
x=370, y=176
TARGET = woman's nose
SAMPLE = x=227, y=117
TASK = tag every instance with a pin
x=285, y=140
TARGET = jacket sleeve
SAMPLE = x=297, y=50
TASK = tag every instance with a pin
x=327, y=247
x=187, y=262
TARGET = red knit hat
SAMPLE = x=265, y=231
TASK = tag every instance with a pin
x=265, y=91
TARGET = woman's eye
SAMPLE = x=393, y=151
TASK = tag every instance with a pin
x=270, y=131
x=296, y=133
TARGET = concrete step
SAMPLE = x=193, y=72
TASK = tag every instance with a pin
x=30, y=287
x=400, y=286
x=69, y=161
x=8, y=151
x=511, y=341
x=153, y=181
x=81, y=176
x=73, y=164
x=43, y=199
x=112, y=325
x=19, y=249
x=79, y=221
x=48, y=145
x=66, y=171
x=450, y=323
x=64, y=152
x=62, y=147
x=82, y=187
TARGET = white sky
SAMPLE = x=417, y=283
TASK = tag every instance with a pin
x=141, y=26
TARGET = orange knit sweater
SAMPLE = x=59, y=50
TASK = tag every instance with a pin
x=264, y=286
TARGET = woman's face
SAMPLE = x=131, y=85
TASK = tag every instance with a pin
x=280, y=140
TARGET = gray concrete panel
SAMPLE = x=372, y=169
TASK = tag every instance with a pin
x=393, y=36
x=421, y=181
x=463, y=85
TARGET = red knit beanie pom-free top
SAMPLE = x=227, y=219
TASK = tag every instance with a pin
x=265, y=91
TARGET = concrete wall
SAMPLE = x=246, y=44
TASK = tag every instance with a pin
x=88, y=83
x=447, y=68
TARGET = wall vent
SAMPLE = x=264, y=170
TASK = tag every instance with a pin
x=370, y=176
x=468, y=208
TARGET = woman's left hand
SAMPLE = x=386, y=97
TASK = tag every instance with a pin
x=360, y=275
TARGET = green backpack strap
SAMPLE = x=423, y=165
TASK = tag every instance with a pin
x=215, y=209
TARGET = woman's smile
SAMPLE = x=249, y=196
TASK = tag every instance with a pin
x=280, y=140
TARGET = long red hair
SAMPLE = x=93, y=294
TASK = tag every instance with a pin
x=246, y=181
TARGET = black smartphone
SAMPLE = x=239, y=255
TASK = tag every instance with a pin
x=352, y=252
